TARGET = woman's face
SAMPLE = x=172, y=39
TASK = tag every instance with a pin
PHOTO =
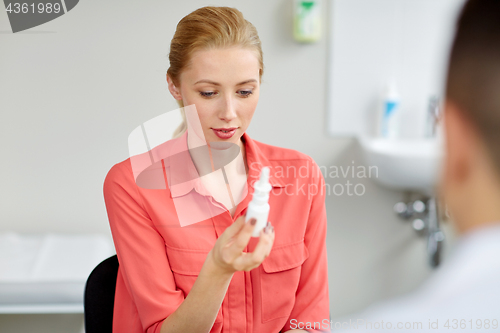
x=224, y=86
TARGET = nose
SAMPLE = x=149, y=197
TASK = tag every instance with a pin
x=227, y=111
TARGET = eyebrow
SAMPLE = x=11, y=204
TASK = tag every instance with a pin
x=218, y=84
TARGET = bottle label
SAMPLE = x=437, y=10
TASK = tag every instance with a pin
x=390, y=107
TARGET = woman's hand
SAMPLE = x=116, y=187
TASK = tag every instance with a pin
x=227, y=253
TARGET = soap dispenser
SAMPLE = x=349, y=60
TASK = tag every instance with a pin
x=307, y=20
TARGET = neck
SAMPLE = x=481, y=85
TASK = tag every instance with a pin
x=479, y=206
x=477, y=215
x=202, y=164
x=241, y=144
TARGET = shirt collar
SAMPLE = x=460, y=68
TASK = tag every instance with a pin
x=256, y=160
x=183, y=176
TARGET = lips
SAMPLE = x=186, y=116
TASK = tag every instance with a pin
x=225, y=133
x=225, y=129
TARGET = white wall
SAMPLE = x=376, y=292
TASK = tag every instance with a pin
x=374, y=42
x=74, y=88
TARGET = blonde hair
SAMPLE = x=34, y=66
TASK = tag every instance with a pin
x=207, y=28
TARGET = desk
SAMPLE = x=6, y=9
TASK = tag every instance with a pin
x=46, y=273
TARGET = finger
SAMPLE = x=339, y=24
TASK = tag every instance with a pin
x=271, y=232
x=243, y=236
x=241, y=239
x=262, y=249
x=234, y=228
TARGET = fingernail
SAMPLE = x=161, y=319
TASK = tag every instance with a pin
x=267, y=229
x=253, y=220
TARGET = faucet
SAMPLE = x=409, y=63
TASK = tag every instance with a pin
x=435, y=235
x=426, y=224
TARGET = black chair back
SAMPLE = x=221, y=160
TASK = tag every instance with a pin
x=99, y=297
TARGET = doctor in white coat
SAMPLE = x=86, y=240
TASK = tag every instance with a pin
x=463, y=295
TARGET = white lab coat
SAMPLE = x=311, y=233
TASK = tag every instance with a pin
x=463, y=291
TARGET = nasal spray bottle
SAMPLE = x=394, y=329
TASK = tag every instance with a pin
x=259, y=206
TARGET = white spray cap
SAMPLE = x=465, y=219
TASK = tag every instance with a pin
x=264, y=176
x=262, y=187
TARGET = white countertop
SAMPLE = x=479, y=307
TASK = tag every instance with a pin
x=46, y=273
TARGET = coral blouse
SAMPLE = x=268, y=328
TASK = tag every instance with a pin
x=160, y=260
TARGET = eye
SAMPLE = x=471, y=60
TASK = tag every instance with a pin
x=207, y=94
x=245, y=93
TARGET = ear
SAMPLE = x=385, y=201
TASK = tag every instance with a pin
x=460, y=141
x=175, y=91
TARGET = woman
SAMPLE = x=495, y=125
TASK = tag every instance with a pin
x=212, y=276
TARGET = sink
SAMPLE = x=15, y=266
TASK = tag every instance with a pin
x=404, y=164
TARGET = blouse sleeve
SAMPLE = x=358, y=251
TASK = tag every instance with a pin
x=140, y=249
x=312, y=299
